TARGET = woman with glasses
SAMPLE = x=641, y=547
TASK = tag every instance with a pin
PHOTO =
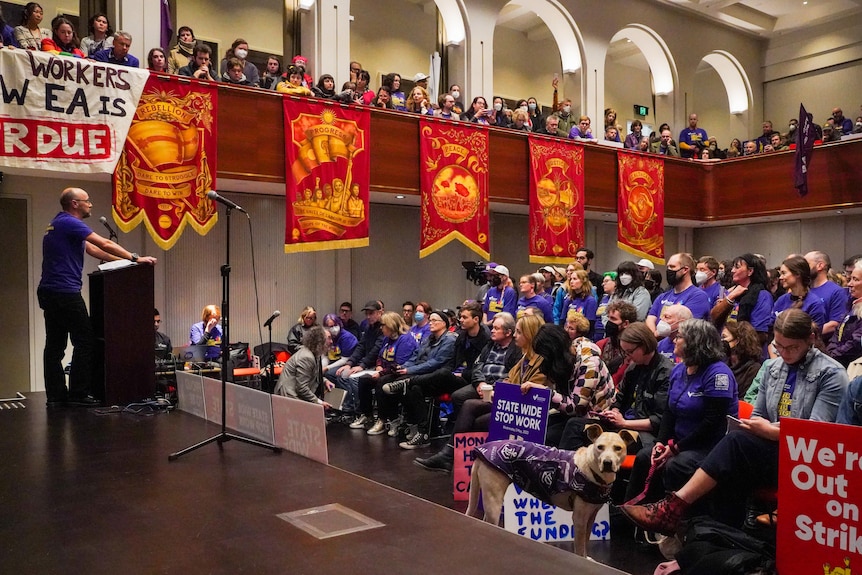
x=803, y=383
x=702, y=394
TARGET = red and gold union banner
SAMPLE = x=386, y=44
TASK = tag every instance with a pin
x=556, y=200
x=326, y=149
x=454, y=182
x=169, y=163
x=640, y=206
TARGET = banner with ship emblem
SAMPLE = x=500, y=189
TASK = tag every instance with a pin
x=169, y=162
x=329, y=171
x=556, y=200
x=640, y=206
x=454, y=184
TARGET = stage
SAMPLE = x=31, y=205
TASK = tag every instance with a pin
x=90, y=493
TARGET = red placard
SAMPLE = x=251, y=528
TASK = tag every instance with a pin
x=464, y=443
x=329, y=172
x=640, y=206
x=819, y=494
x=556, y=200
x=169, y=162
x=454, y=186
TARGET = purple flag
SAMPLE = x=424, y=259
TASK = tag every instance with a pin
x=167, y=33
x=805, y=136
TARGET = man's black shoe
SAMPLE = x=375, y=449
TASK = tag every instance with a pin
x=86, y=401
x=55, y=404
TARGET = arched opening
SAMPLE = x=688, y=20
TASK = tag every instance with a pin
x=533, y=42
x=639, y=70
x=721, y=86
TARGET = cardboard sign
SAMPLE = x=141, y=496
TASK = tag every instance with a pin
x=252, y=412
x=300, y=427
x=519, y=416
x=530, y=517
x=190, y=392
x=820, y=490
x=463, y=464
x=212, y=399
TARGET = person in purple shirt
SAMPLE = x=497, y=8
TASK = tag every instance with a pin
x=580, y=298
x=421, y=327
x=692, y=138
x=667, y=328
x=702, y=394
x=796, y=279
x=7, y=33
x=66, y=240
x=748, y=299
x=527, y=285
x=499, y=297
x=707, y=278
x=842, y=123
x=633, y=140
x=119, y=53
x=582, y=129
x=680, y=269
x=834, y=296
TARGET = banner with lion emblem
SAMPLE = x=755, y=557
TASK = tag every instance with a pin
x=556, y=200
x=454, y=180
x=640, y=206
x=329, y=171
x=169, y=162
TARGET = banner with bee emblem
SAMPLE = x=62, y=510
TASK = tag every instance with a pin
x=556, y=200
x=640, y=206
x=454, y=180
x=329, y=171
x=169, y=162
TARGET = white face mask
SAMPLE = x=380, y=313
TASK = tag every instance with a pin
x=625, y=279
x=531, y=106
x=567, y=110
x=498, y=106
x=663, y=329
x=791, y=127
x=700, y=277
x=240, y=53
x=456, y=94
x=334, y=331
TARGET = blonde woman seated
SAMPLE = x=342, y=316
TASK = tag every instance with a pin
x=307, y=319
x=302, y=375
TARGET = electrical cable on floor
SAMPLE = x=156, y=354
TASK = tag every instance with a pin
x=147, y=408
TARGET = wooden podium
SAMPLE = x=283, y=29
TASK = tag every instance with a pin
x=121, y=308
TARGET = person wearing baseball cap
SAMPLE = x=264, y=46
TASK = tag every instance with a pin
x=645, y=266
x=500, y=296
x=421, y=79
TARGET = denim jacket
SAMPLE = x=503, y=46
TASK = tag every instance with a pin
x=820, y=385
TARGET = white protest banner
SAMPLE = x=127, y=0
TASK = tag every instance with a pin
x=530, y=517
x=65, y=114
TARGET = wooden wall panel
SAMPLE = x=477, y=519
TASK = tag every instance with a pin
x=251, y=147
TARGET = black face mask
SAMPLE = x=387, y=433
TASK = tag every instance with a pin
x=673, y=277
x=495, y=281
x=726, y=347
x=612, y=330
x=649, y=284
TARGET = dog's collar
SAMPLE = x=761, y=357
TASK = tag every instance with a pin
x=598, y=477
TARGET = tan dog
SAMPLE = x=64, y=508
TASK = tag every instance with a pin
x=596, y=467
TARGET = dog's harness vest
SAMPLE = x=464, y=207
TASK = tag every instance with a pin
x=542, y=471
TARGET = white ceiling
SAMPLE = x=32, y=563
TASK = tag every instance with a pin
x=763, y=18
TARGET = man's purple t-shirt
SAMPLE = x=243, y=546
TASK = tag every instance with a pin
x=538, y=302
x=63, y=254
x=692, y=297
x=499, y=299
x=834, y=300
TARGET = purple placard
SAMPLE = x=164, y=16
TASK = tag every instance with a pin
x=518, y=416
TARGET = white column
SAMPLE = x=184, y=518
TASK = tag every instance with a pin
x=141, y=19
x=326, y=38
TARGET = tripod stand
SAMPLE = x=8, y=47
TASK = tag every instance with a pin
x=224, y=436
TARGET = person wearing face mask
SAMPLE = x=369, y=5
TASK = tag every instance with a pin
x=679, y=274
x=239, y=50
x=630, y=288
x=621, y=314
x=536, y=118
x=501, y=120
x=857, y=127
x=500, y=296
x=567, y=119
x=455, y=92
x=420, y=328
x=706, y=278
x=343, y=342
x=667, y=328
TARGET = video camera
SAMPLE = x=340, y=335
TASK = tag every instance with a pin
x=475, y=272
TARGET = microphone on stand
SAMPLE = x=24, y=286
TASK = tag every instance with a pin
x=214, y=196
x=113, y=234
x=271, y=319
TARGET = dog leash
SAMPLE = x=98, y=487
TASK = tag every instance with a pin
x=655, y=465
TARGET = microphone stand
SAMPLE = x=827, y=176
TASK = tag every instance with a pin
x=224, y=436
x=270, y=363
